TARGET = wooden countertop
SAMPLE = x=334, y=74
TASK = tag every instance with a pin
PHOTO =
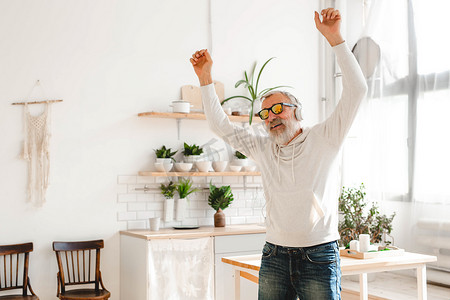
x=206, y=231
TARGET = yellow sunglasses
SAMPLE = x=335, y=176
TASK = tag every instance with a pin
x=277, y=109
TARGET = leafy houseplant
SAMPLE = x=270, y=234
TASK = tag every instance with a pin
x=252, y=87
x=219, y=198
x=239, y=155
x=358, y=220
x=165, y=153
x=184, y=189
x=168, y=192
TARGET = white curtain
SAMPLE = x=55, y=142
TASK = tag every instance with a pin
x=181, y=269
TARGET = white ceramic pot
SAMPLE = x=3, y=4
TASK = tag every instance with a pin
x=183, y=167
x=168, y=210
x=164, y=160
x=181, y=106
x=161, y=167
x=181, y=207
x=193, y=158
x=241, y=162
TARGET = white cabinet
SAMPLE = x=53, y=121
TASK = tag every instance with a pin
x=182, y=268
x=235, y=245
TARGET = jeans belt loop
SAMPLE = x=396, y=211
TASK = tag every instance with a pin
x=275, y=250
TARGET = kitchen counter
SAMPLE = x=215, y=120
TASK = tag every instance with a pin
x=205, y=231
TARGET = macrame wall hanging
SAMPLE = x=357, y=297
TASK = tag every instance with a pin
x=37, y=133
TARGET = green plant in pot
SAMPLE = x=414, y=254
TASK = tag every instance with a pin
x=184, y=189
x=164, y=154
x=358, y=218
x=252, y=86
x=192, y=152
x=241, y=159
x=219, y=198
x=168, y=191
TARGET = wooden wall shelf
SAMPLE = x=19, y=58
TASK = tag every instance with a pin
x=196, y=174
x=193, y=116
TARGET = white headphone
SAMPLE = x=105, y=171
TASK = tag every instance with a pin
x=298, y=109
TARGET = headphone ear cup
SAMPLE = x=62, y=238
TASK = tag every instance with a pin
x=298, y=113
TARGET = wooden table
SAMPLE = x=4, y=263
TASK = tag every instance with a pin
x=248, y=267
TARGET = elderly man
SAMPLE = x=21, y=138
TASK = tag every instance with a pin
x=299, y=173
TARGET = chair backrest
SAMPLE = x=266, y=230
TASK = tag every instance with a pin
x=14, y=267
x=78, y=262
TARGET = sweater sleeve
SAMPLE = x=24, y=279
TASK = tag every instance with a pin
x=336, y=127
x=246, y=141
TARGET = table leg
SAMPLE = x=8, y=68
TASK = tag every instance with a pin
x=363, y=288
x=237, y=284
x=422, y=282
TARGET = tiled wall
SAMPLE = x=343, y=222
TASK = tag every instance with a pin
x=137, y=206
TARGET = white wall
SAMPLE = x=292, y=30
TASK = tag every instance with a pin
x=108, y=61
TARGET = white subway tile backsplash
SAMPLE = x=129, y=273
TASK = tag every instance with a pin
x=145, y=215
x=137, y=225
x=155, y=205
x=245, y=212
x=146, y=197
x=136, y=206
x=237, y=220
x=145, y=179
x=122, y=198
x=126, y=216
x=227, y=180
x=257, y=179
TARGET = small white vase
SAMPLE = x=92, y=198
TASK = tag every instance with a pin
x=168, y=209
x=181, y=208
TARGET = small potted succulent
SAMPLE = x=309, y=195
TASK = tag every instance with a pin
x=184, y=189
x=168, y=191
x=219, y=198
x=192, y=153
x=165, y=155
x=240, y=159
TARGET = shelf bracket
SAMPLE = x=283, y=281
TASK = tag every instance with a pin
x=178, y=128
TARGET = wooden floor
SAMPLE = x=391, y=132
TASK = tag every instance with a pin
x=390, y=285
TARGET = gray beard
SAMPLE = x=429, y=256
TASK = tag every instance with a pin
x=283, y=137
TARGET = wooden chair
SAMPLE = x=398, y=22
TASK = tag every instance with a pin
x=79, y=264
x=13, y=263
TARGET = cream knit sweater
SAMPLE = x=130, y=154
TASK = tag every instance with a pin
x=301, y=180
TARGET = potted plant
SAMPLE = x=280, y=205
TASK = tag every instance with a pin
x=240, y=159
x=252, y=87
x=184, y=189
x=219, y=198
x=192, y=153
x=164, y=155
x=168, y=191
x=358, y=218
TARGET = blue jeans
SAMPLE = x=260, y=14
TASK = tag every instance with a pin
x=309, y=273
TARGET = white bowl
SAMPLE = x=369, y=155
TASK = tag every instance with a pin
x=203, y=166
x=249, y=168
x=183, y=167
x=241, y=162
x=219, y=166
x=160, y=167
x=235, y=168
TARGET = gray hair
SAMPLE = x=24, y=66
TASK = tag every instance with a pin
x=287, y=94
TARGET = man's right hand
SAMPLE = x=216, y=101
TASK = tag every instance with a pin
x=202, y=63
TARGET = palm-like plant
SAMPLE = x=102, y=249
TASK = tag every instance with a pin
x=184, y=188
x=252, y=87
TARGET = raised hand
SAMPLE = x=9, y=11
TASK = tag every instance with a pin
x=202, y=63
x=330, y=25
